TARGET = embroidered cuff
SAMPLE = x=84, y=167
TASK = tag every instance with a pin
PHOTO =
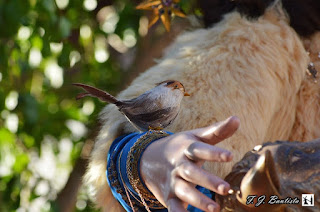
x=123, y=173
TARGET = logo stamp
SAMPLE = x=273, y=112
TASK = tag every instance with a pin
x=307, y=199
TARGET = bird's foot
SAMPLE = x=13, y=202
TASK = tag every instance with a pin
x=155, y=128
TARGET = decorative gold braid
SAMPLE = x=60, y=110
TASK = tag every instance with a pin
x=125, y=186
x=142, y=199
x=133, y=170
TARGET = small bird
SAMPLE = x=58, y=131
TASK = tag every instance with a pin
x=155, y=109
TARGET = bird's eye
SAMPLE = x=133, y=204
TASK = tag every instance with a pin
x=176, y=86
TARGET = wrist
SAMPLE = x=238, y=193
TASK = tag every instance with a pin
x=133, y=167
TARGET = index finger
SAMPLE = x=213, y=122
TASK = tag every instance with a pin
x=217, y=132
x=199, y=151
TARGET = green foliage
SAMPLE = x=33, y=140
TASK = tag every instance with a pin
x=45, y=46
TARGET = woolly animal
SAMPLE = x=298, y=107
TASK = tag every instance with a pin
x=251, y=66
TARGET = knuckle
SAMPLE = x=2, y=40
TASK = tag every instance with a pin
x=191, y=148
x=214, y=183
x=186, y=170
x=181, y=137
x=181, y=190
x=174, y=172
x=203, y=201
x=193, y=152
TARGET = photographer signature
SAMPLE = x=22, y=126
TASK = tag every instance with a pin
x=274, y=199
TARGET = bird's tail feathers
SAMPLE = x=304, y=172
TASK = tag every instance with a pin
x=81, y=95
x=95, y=92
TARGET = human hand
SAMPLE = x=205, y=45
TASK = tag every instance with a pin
x=171, y=166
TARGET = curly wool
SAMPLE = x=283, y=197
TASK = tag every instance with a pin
x=255, y=70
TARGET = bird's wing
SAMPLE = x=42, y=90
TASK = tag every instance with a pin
x=152, y=116
x=141, y=104
x=138, y=105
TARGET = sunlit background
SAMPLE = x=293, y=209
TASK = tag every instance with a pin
x=45, y=134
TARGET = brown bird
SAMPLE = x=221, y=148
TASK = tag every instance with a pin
x=154, y=109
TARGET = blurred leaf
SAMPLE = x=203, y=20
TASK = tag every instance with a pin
x=46, y=52
x=64, y=27
x=49, y=5
x=30, y=108
x=63, y=59
x=6, y=137
x=22, y=161
x=37, y=42
x=27, y=140
x=43, y=139
x=11, y=13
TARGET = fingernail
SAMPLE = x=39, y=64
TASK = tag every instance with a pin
x=211, y=208
x=225, y=156
x=231, y=191
x=222, y=189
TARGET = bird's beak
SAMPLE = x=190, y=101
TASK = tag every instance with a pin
x=186, y=94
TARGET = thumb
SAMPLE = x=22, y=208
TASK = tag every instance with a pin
x=219, y=131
